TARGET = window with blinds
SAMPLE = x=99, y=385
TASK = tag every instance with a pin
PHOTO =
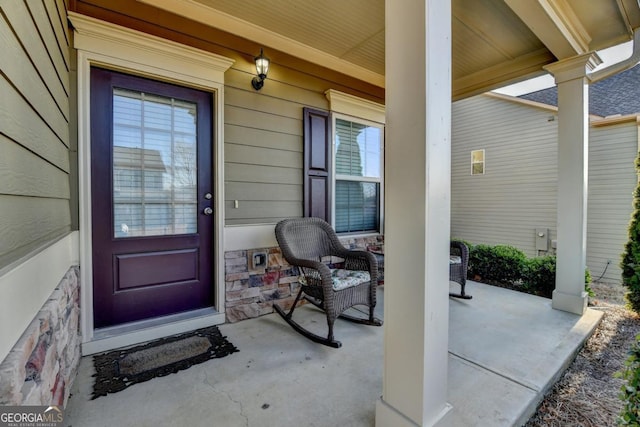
x=358, y=176
x=154, y=165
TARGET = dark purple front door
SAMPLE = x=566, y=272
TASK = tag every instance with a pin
x=151, y=198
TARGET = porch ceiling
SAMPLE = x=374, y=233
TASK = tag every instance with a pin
x=495, y=42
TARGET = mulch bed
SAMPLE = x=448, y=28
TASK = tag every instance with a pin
x=587, y=394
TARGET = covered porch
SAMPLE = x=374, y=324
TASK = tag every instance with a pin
x=505, y=350
x=412, y=58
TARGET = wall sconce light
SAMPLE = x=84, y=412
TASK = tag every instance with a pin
x=262, y=68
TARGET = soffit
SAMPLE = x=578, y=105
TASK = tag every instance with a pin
x=485, y=32
x=354, y=31
x=494, y=42
x=605, y=23
x=489, y=40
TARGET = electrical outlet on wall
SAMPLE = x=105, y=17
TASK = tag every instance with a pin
x=258, y=260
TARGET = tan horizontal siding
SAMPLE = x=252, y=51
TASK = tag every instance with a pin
x=23, y=76
x=21, y=123
x=260, y=212
x=58, y=55
x=247, y=100
x=264, y=148
x=25, y=28
x=235, y=153
x=59, y=28
x=27, y=222
x=255, y=173
x=35, y=177
x=253, y=191
x=61, y=13
x=34, y=126
x=288, y=84
x=263, y=120
x=288, y=91
x=238, y=134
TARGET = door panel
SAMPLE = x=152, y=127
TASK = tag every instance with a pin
x=152, y=204
x=162, y=267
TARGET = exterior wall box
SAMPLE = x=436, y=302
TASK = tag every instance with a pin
x=542, y=239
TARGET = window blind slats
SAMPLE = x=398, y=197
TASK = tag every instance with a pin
x=358, y=166
x=154, y=165
x=357, y=206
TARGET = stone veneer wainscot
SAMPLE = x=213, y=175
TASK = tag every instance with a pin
x=42, y=365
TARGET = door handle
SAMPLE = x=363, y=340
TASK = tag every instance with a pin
x=207, y=211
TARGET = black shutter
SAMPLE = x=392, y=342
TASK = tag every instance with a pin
x=317, y=164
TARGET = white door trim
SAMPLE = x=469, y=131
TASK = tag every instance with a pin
x=122, y=49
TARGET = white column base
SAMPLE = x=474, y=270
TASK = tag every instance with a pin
x=572, y=303
x=388, y=416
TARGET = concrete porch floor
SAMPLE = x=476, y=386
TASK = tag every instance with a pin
x=505, y=350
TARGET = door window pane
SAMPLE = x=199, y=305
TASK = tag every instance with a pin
x=154, y=165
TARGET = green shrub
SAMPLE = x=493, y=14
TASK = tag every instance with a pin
x=587, y=283
x=540, y=275
x=506, y=264
x=510, y=262
x=630, y=263
x=479, y=257
x=500, y=263
x=630, y=390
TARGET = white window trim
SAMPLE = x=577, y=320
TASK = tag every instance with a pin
x=484, y=164
x=335, y=176
x=353, y=108
x=122, y=49
x=340, y=102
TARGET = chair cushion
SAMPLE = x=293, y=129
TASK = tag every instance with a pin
x=341, y=278
x=453, y=259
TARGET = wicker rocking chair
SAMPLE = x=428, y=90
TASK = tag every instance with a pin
x=458, y=262
x=305, y=243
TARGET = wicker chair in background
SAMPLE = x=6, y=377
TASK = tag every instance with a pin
x=305, y=244
x=458, y=263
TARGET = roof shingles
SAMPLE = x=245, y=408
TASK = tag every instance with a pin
x=618, y=94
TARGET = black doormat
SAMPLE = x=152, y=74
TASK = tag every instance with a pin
x=118, y=369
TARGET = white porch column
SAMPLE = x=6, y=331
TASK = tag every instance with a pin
x=573, y=147
x=417, y=214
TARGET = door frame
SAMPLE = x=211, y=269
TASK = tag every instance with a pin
x=110, y=46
